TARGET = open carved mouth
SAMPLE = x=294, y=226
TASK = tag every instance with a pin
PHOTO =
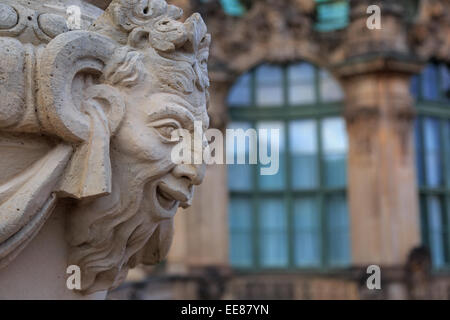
x=165, y=199
x=168, y=195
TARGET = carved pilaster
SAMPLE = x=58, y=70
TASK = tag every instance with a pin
x=383, y=196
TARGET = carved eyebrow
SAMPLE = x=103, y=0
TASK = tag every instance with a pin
x=173, y=110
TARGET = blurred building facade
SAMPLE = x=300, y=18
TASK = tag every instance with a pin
x=364, y=179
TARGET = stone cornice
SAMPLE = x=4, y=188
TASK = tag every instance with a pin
x=283, y=31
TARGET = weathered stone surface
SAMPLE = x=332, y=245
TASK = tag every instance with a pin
x=430, y=34
x=12, y=81
x=100, y=104
x=8, y=17
x=52, y=24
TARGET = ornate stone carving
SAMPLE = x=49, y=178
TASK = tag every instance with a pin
x=430, y=34
x=87, y=115
x=281, y=30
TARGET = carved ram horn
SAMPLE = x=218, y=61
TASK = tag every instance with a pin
x=83, y=111
x=65, y=58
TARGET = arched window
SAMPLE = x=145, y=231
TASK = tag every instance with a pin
x=297, y=218
x=432, y=92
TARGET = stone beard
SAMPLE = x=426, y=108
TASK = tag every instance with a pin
x=114, y=95
x=114, y=231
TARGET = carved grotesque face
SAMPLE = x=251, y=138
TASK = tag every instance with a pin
x=154, y=81
x=144, y=145
x=110, y=98
x=148, y=187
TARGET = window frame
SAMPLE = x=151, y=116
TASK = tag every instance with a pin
x=286, y=113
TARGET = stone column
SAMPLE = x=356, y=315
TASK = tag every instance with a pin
x=383, y=194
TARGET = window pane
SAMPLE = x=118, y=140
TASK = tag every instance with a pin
x=338, y=234
x=307, y=243
x=330, y=90
x=335, y=147
x=273, y=233
x=303, y=146
x=240, y=93
x=240, y=176
x=269, y=86
x=433, y=166
x=301, y=84
x=240, y=214
x=277, y=181
x=435, y=226
x=241, y=249
x=430, y=88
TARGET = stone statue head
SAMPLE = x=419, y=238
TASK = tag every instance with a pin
x=113, y=95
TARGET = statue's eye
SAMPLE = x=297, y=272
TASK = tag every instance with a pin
x=166, y=131
x=165, y=128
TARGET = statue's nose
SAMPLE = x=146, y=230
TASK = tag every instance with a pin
x=193, y=172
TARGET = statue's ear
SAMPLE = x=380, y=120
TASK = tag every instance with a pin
x=107, y=101
x=75, y=106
